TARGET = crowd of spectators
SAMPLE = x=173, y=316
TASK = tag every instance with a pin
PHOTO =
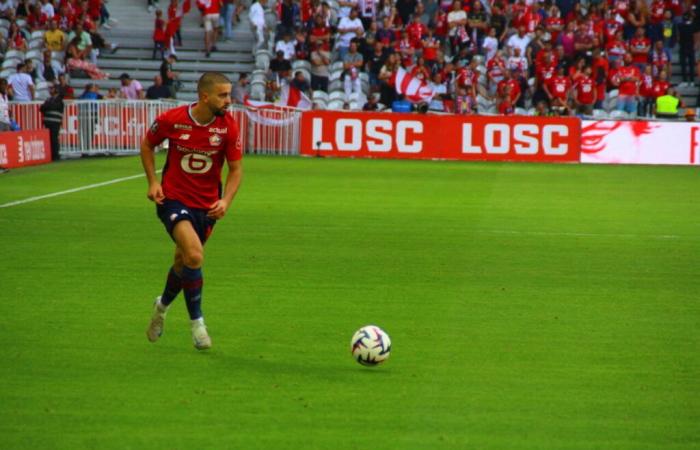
x=549, y=56
x=46, y=41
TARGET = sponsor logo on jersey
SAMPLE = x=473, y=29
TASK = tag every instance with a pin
x=215, y=140
x=218, y=130
x=179, y=126
x=154, y=127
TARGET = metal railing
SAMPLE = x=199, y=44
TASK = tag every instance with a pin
x=117, y=126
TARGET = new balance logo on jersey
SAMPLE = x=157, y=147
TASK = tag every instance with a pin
x=184, y=137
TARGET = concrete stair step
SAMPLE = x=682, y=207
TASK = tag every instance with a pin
x=140, y=53
x=112, y=65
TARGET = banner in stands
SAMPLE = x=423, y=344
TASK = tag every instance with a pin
x=418, y=136
x=24, y=148
x=640, y=142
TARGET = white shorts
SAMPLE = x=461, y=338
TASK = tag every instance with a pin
x=211, y=21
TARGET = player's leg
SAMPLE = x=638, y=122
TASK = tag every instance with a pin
x=173, y=286
x=192, y=252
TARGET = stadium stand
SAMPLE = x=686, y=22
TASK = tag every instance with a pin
x=462, y=51
x=476, y=55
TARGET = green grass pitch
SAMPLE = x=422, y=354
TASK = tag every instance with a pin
x=530, y=307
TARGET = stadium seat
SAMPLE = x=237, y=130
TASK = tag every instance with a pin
x=5, y=73
x=33, y=54
x=4, y=23
x=10, y=63
x=355, y=106
x=335, y=75
x=262, y=61
x=41, y=94
x=320, y=104
x=336, y=105
x=600, y=114
x=338, y=65
x=320, y=95
x=4, y=32
x=42, y=85
x=36, y=44
x=15, y=54
x=618, y=115
x=21, y=23
x=336, y=95
x=301, y=64
x=38, y=34
x=257, y=91
x=335, y=85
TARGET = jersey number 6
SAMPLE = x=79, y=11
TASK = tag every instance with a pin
x=195, y=163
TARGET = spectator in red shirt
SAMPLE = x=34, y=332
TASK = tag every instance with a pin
x=172, y=16
x=627, y=79
x=585, y=97
x=646, y=93
x=505, y=105
x=660, y=58
x=36, y=20
x=557, y=89
x=611, y=26
x=210, y=16
x=159, y=37
x=416, y=31
x=320, y=33
x=554, y=24
x=585, y=41
x=599, y=72
x=494, y=71
x=576, y=71
x=616, y=48
x=640, y=46
x=513, y=86
x=431, y=47
x=656, y=17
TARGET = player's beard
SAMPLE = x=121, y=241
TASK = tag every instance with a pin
x=220, y=112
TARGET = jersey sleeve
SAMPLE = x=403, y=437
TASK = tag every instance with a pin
x=159, y=130
x=234, y=143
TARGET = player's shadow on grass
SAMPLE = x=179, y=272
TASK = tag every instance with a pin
x=334, y=369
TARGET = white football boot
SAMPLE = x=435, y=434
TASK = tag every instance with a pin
x=155, y=328
x=200, y=337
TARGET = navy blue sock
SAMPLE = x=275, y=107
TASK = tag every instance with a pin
x=173, y=286
x=192, y=285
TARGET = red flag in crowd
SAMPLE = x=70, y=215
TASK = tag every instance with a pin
x=183, y=8
x=414, y=89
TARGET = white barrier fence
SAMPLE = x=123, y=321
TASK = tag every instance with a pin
x=118, y=126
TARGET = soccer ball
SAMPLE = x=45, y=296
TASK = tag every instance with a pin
x=370, y=345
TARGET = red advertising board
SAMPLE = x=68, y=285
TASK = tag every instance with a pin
x=417, y=136
x=24, y=148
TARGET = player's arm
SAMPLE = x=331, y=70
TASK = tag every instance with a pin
x=233, y=181
x=148, y=160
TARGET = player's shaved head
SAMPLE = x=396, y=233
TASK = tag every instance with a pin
x=209, y=80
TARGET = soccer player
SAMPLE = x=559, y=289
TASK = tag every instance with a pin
x=202, y=136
